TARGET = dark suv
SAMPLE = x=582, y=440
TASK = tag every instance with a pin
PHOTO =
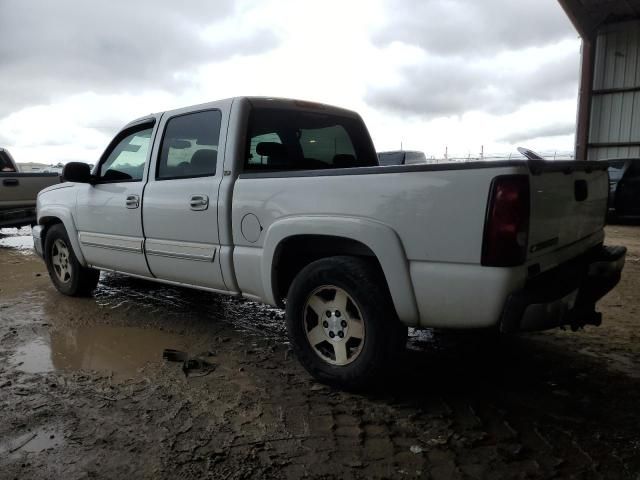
x=624, y=187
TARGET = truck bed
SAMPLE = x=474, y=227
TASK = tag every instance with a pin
x=18, y=193
x=438, y=213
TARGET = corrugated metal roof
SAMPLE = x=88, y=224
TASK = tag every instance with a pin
x=612, y=10
x=588, y=15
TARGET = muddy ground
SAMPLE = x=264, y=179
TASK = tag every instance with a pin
x=85, y=393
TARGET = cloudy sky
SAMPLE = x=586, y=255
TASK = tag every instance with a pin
x=427, y=73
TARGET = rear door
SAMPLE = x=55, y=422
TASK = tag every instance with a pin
x=108, y=213
x=180, y=211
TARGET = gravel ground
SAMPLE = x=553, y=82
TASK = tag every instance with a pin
x=85, y=393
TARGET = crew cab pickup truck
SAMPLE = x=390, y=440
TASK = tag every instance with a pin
x=283, y=202
x=18, y=192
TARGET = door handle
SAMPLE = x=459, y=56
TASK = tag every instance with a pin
x=199, y=202
x=10, y=182
x=133, y=201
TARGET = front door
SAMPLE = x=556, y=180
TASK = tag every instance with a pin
x=108, y=213
x=180, y=213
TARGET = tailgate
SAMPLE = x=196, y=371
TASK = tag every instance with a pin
x=568, y=204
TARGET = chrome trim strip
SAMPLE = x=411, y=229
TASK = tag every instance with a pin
x=182, y=256
x=112, y=247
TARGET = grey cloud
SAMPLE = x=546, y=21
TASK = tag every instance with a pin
x=462, y=41
x=108, y=125
x=551, y=130
x=445, y=86
x=50, y=49
x=463, y=27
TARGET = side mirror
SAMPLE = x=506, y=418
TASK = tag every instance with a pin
x=76, y=172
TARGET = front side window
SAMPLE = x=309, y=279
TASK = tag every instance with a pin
x=282, y=139
x=126, y=161
x=190, y=146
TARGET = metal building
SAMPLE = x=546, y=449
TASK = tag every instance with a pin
x=608, y=123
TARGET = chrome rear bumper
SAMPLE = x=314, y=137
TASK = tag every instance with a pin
x=566, y=295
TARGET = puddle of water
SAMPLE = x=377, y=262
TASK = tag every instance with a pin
x=16, y=238
x=120, y=350
x=34, y=357
x=34, y=442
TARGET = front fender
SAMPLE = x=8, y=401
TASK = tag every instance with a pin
x=63, y=213
x=381, y=239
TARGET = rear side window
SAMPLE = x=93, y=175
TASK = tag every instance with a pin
x=190, y=146
x=281, y=139
x=254, y=157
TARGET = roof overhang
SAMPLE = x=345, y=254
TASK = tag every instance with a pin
x=589, y=15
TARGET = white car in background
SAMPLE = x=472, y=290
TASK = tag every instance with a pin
x=401, y=157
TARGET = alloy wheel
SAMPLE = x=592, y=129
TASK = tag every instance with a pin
x=334, y=325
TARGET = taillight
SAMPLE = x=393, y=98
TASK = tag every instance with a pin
x=506, y=228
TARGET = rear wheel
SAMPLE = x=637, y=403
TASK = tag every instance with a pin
x=66, y=273
x=341, y=322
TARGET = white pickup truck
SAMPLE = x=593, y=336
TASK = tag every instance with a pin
x=283, y=202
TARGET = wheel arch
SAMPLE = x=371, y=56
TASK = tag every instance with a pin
x=292, y=243
x=54, y=215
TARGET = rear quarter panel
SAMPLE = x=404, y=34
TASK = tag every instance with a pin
x=437, y=216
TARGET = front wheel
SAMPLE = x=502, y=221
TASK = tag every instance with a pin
x=66, y=273
x=341, y=322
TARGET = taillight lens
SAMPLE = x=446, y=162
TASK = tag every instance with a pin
x=506, y=228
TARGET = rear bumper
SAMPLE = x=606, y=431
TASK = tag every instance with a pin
x=36, y=233
x=565, y=295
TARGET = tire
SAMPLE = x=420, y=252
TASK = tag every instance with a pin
x=66, y=273
x=341, y=322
